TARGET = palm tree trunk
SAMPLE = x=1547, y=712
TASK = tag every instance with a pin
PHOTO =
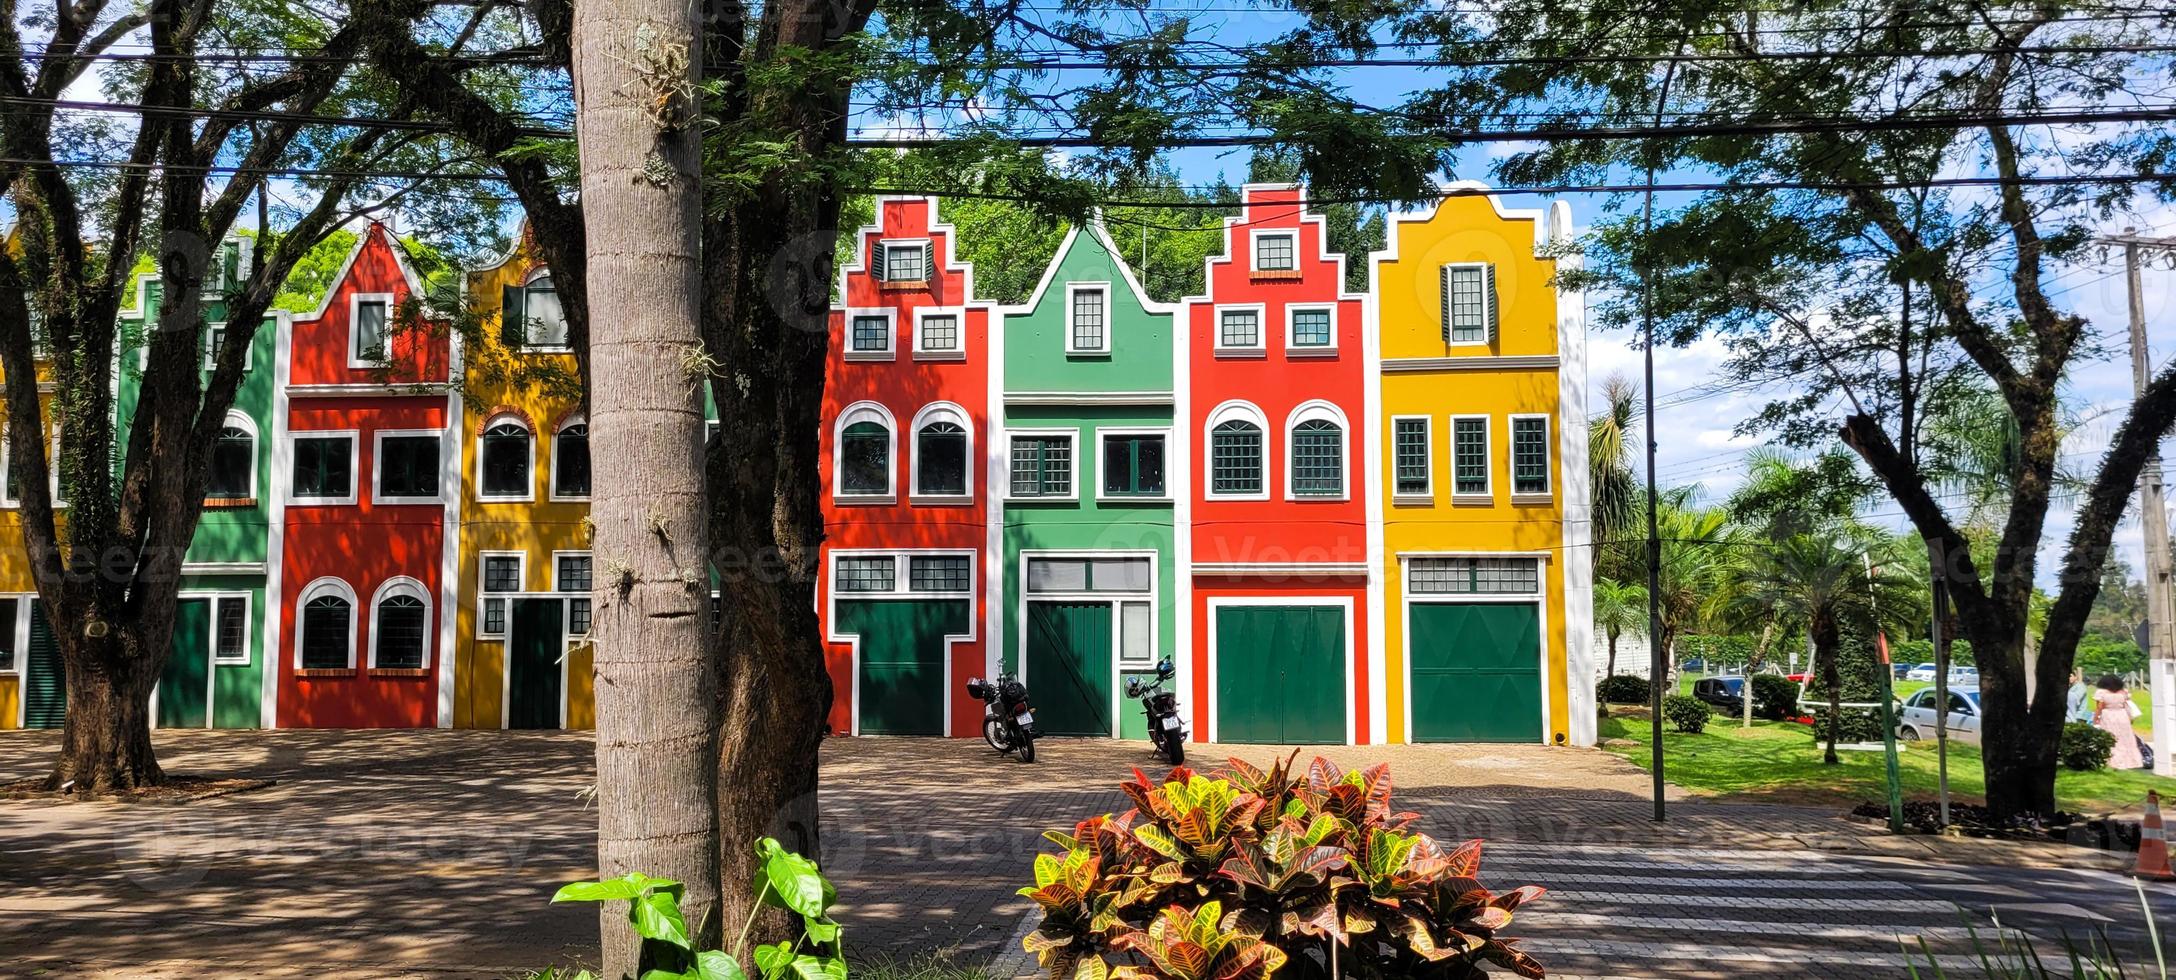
x=1760, y=654
x=1825, y=644
x=1611, y=669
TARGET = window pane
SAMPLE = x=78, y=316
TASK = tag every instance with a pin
x=1118, y=575
x=1412, y=455
x=1273, y=253
x=1311, y=328
x=1239, y=328
x=370, y=319
x=1318, y=459
x=1057, y=575
x=865, y=459
x=1042, y=466
x=1471, y=451
x=940, y=459
x=230, y=632
x=871, y=333
x=234, y=458
x=574, y=573
x=502, y=573
x=903, y=263
x=506, y=461
x=941, y=333
x=938, y=573
x=325, y=633
x=1501, y=576
x=401, y=625
x=7, y=634
x=547, y=325
x=322, y=467
x=1136, y=633
x=1529, y=455
x=1133, y=465
x=1235, y=458
x=1088, y=331
x=570, y=462
x=494, y=617
x=408, y=466
x=1468, y=309
x=578, y=617
x=868, y=573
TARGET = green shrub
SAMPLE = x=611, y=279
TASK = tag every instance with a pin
x=1621, y=689
x=2085, y=747
x=1236, y=874
x=789, y=881
x=1685, y=713
x=1854, y=724
x=1921, y=651
x=1775, y=697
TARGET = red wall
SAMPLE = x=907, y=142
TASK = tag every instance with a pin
x=904, y=386
x=320, y=350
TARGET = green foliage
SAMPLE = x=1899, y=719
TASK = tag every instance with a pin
x=1852, y=724
x=2085, y=747
x=2005, y=953
x=1921, y=651
x=305, y=287
x=784, y=880
x=1234, y=874
x=1775, y=697
x=1729, y=648
x=1686, y=713
x=1622, y=689
x=2118, y=657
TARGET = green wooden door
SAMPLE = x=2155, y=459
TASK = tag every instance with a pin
x=1069, y=667
x=534, y=641
x=1476, y=672
x=1280, y=674
x=45, y=687
x=182, y=686
x=900, y=680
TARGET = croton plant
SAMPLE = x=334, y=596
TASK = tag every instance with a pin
x=1249, y=872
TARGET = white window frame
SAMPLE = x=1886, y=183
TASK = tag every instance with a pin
x=1548, y=457
x=902, y=572
x=1072, y=435
x=248, y=353
x=1109, y=325
x=570, y=638
x=377, y=459
x=243, y=422
x=1488, y=462
x=939, y=412
x=356, y=360
x=551, y=479
x=929, y=254
x=1310, y=411
x=1121, y=499
x=1488, y=303
x=891, y=334
x=1240, y=411
x=317, y=587
x=19, y=631
x=1261, y=330
x=528, y=493
x=52, y=471
x=1254, y=247
x=529, y=346
x=484, y=596
x=403, y=585
x=1292, y=346
x=923, y=352
x=355, y=468
x=248, y=621
x=865, y=411
x=1117, y=601
x=1427, y=494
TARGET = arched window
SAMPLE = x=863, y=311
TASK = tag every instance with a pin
x=400, y=626
x=234, y=461
x=504, y=460
x=326, y=639
x=533, y=316
x=1318, y=451
x=1236, y=451
x=570, y=461
x=863, y=456
x=941, y=451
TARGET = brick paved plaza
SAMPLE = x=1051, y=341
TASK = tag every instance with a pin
x=406, y=853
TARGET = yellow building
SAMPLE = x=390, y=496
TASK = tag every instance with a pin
x=522, y=659
x=1479, y=428
x=31, y=686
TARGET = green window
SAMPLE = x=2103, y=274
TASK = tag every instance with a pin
x=1530, y=455
x=871, y=334
x=1469, y=303
x=908, y=262
x=1133, y=465
x=868, y=573
x=1274, y=253
x=939, y=573
x=230, y=629
x=324, y=467
x=1235, y=458
x=234, y=465
x=1410, y=445
x=1469, y=456
x=1474, y=576
x=1090, y=575
x=1239, y=328
x=533, y=316
x=865, y=459
x=1089, y=333
x=1318, y=459
x=1042, y=466
x=1311, y=328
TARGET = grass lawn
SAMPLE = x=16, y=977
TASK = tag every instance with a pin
x=1904, y=689
x=1779, y=762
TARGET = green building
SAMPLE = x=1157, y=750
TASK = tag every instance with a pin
x=1092, y=475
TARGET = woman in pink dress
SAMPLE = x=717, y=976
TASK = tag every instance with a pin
x=2112, y=714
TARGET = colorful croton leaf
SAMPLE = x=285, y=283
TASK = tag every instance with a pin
x=1198, y=944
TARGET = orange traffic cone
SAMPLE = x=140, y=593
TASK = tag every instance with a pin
x=2153, y=843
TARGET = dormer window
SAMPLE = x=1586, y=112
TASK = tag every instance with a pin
x=367, y=334
x=1276, y=251
x=902, y=261
x=1469, y=303
x=533, y=318
x=1087, y=325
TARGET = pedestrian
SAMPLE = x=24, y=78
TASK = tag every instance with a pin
x=2112, y=714
x=2081, y=700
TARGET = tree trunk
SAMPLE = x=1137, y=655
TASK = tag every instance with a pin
x=656, y=688
x=1826, y=644
x=105, y=743
x=2018, y=739
x=1611, y=669
x=1760, y=655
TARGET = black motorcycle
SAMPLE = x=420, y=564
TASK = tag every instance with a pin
x=1007, y=723
x=1165, y=729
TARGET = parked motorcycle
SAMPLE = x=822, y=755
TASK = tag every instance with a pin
x=1007, y=723
x=1165, y=730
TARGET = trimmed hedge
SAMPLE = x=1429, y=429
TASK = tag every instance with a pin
x=1621, y=689
x=1686, y=713
x=1775, y=697
x=2085, y=747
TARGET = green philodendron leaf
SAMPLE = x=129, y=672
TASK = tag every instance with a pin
x=657, y=916
x=712, y=964
x=771, y=960
x=622, y=888
x=819, y=968
x=665, y=975
x=795, y=883
x=821, y=930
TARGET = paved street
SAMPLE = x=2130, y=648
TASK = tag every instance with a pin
x=432, y=854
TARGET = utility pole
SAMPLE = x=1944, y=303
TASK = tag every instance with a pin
x=2153, y=516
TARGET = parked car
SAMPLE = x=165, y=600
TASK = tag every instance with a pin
x=1722, y=692
x=1916, y=722
x=1923, y=672
x=1968, y=676
x=1901, y=670
x=1694, y=666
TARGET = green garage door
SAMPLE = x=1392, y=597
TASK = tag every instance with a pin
x=1069, y=667
x=902, y=660
x=1280, y=674
x=183, y=684
x=1476, y=672
x=45, y=687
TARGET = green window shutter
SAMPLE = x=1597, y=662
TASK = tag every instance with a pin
x=1488, y=296
x=513, y=316
x=1445, y=272
x=876, y=260
x=929, y=261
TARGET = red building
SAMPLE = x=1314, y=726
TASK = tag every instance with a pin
x=904, y=596
x=1275, y=387
x=364, y=452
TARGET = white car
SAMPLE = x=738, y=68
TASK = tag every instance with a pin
x=1923, y=672
x=1917, y=719
x=1966, y=676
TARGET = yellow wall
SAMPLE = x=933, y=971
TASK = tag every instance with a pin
x=537, y=528
x=1469, y=229
x=15, y=578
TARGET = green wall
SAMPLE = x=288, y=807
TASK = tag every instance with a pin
x=1140, y=357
